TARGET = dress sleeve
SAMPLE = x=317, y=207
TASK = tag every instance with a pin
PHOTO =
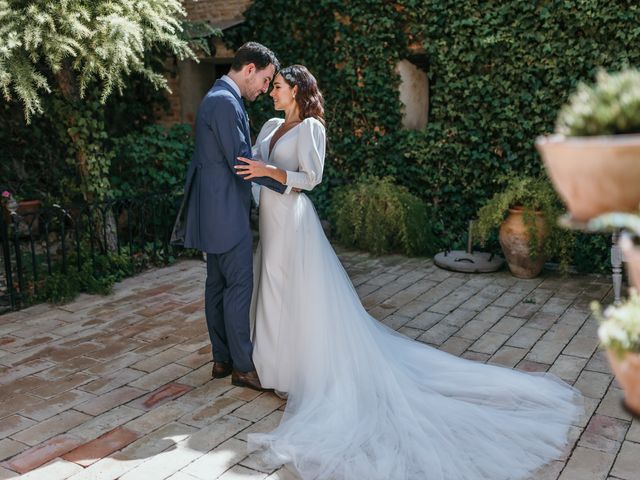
x=311, y=150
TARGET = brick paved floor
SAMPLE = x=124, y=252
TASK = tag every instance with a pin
x=119, y=386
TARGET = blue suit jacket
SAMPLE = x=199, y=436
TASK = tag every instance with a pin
x=214, y=215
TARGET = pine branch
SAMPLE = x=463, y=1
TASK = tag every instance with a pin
x=101, y=40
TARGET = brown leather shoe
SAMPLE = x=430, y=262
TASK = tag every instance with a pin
x=247, y=379
x=220, y=370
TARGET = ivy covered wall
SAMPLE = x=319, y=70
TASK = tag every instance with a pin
x=498, y=73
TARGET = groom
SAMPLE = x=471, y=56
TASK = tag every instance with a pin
x=216, y=208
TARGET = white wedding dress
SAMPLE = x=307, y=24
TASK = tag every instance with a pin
x=366, y=403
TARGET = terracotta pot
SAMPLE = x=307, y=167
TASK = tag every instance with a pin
x=594, y=175
x=631, y=255
x=28, y=207
x=28, y=210
x=514, y=239
x=627, y=372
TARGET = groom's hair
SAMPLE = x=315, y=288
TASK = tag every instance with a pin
x=256, y=53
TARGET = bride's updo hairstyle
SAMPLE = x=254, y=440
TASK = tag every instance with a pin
x=308, y=98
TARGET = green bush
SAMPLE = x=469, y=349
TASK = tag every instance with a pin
x=37, y=160
x=63, y=287
x=94, y=278
x=378, y=216
x=151, y=161
x=33, y=158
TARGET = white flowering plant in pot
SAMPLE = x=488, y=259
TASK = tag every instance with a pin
x=592, y=160
x=619, y=330
x=619, y=333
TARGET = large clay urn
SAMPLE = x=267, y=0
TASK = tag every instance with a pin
x=514, y=239
x=627, y=371
x=594, y=175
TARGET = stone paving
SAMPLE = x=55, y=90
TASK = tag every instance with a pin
x=119, y=386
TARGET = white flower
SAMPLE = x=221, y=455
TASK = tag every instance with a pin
x=620, y=325
x=610, y=331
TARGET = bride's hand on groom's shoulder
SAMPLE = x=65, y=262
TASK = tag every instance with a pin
x=251, y=168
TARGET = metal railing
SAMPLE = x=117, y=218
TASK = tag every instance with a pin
x=57, y=239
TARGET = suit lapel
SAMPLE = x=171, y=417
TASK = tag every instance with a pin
x=245, y=123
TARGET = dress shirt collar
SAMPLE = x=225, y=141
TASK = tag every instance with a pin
x=234, y=85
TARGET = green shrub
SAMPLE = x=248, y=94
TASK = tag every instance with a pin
x=37, y=160
x=378, y=216
x=151, y=161
x=62, y=287
x=94, y=277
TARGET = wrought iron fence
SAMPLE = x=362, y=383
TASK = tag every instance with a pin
x=60, y=239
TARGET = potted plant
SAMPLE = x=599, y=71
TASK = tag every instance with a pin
x=525, y=212
x=619, y=333
x=594, y=158
x=27, y=211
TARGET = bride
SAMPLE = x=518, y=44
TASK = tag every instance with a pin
x=364, y=402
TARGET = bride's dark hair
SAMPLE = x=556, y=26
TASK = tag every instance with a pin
x=308, y=98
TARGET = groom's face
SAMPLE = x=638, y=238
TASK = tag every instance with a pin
x=257, y=81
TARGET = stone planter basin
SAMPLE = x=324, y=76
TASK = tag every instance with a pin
x=594, y=175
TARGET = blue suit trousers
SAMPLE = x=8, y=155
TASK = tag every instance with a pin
x=227, y=295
